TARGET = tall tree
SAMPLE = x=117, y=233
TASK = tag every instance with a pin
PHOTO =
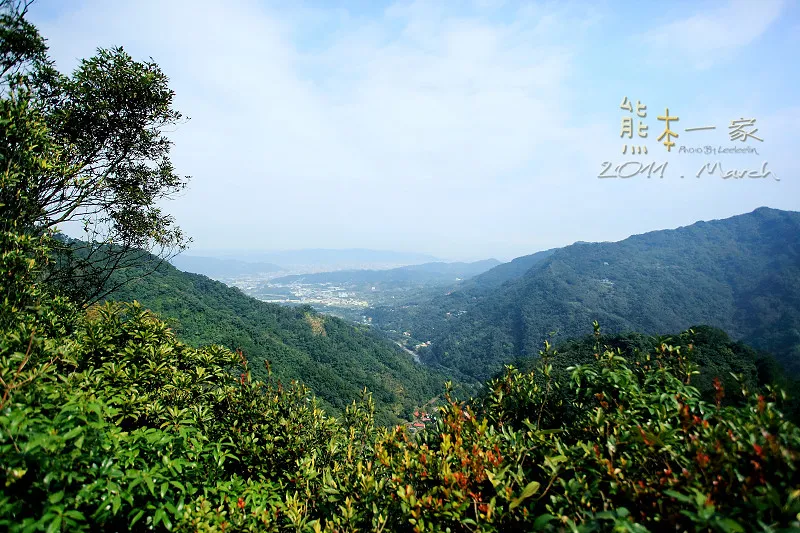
x=88, y=149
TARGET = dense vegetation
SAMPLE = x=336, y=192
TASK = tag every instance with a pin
x=109, y=423
x=720, y=361
x=740, y=274
x=334, y=358
x=503, y=273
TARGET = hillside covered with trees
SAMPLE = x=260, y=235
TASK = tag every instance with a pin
x=740, y=274
x=334, y=358
x=109, y=423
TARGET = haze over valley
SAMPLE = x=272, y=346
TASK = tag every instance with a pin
x=424, y=307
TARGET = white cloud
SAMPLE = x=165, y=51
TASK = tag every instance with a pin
x=419, y=128
x=378, y=116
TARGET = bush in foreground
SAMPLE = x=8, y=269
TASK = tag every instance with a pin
x=109, y=423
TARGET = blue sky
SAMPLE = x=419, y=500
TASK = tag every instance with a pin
x=462, y=130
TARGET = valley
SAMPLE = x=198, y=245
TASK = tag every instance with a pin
x=351, y=293
x=471, y=318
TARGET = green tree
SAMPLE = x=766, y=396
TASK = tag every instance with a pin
x=88, y=149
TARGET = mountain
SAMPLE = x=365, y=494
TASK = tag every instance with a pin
x=437, y=273
x=319, y=259
x=336, y=359
x=216, y=268
x=506, y=271
x=459, y=269
x=740, y=274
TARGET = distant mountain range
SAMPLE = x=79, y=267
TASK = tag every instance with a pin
x=214, y=267
x=324, y=259
x=741, y=274
x=436, y=273
x=505, y=272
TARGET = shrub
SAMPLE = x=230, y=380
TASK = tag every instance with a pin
x=109, y=423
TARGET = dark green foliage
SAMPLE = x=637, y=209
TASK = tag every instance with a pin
x=108, y=423
x=717, y=356
x=112, y=422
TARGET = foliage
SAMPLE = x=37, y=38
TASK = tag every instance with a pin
x=112, y=421
x=21, y=46
x=109, y=423
x=719, y=360
x=87, y=149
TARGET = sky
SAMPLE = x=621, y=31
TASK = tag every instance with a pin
x=463, y=130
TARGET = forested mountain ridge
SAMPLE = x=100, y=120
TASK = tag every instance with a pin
x=334, y=358
x=505, y=272
x=425, y=273
x=741, y=274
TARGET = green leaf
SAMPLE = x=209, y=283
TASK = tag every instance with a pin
x=730, y=525
x=530, y=489
x=678, y=496
x=77, y=515
x=55, y=525
x=159, y=516
x=74, y=432
x=542, y=521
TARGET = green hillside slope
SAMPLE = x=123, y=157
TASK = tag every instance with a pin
x=505, y=272
x=740, y=274
x=332, y=357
